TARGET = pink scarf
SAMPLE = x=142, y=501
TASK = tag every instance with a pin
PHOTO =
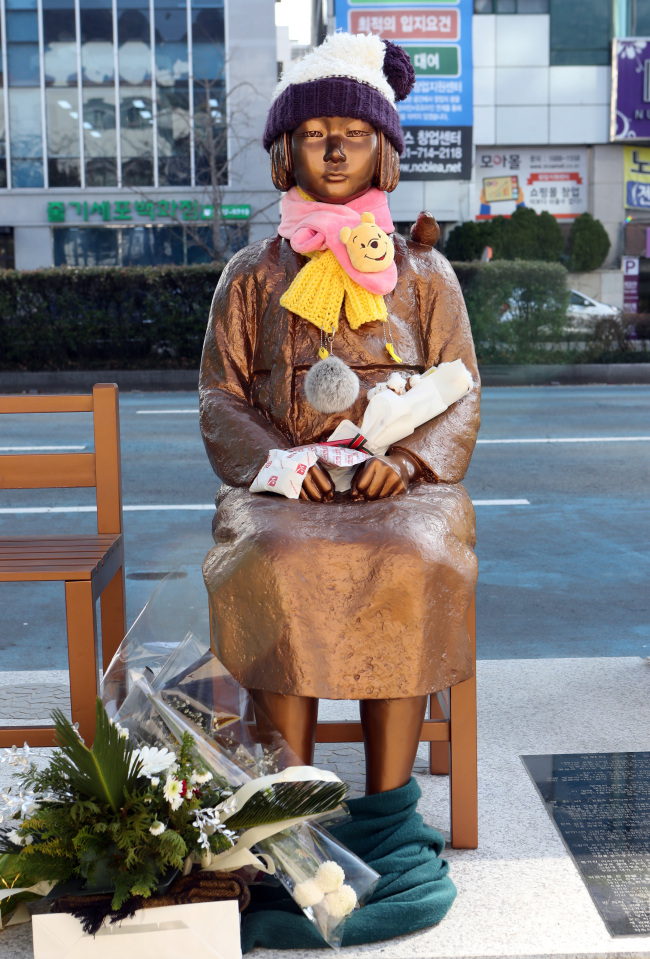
x=310, y=225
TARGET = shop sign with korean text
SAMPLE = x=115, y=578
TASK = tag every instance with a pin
x=636, y=177
x=437, y=116
x=548, y=179
x=630, y=110
x=139, y=211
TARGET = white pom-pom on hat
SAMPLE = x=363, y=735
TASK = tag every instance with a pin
x=356, y=56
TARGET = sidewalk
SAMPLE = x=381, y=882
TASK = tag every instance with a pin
x=519, y=893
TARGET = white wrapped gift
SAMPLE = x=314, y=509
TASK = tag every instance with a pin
x=197, y=929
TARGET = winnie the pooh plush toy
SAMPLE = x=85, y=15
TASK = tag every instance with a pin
x=369, y=248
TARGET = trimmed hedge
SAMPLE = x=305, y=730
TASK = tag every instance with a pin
x=526, y=235
x=588, y=244
x=516, y=308
x=79, y=319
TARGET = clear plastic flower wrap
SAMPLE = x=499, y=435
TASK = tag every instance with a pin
x=174, y=616
x=160, y=698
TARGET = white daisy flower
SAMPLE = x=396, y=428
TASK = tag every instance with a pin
x=200, y=778
x=15, y=837
x=173, y=791
x=153, y=760
x=155, y=781
x=157, y=828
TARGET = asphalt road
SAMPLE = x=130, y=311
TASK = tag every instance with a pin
x=564, y=573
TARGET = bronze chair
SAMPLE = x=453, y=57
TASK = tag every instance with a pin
x=450, y=731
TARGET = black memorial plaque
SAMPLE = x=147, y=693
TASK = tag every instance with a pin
x=600, y=803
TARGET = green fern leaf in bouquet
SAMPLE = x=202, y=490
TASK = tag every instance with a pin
x=288, y=800
x=103, y=773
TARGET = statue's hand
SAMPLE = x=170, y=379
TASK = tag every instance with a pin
x=383, y=476
x=317, y=485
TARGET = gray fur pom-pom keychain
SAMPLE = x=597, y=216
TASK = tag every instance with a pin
x=331, y=386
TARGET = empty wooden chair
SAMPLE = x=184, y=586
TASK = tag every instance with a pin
x=91, y=566
x=450, y=731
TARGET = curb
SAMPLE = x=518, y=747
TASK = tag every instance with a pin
x=81, y=381
x=578, y=374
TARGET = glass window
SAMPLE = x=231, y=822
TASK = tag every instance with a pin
x=642, y=19
x=532, y=6
x=22, y=27
x=64, y=171
x=7, y=261
x=59, y=34
x=98, y=94
x=171, y=24
x=22, y=4
x=511, y=6
x=232, y=237
x=580, y=32
x=133, y=24
x=210, y=133
x=172, y=72
x=62, y=139
x=86, y=246
x=173, y=136
x=3, y=145
x=152, y=245
x=59, y=25
x=25, y=115
x=26, y=173
x=97, y=56
x=23, y=64
x=136, y=120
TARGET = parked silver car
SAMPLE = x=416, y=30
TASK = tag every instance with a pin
x=584, y=312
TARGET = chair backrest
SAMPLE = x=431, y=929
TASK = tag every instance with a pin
x=101, y=469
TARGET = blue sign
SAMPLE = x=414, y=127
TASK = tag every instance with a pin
x=437, y=116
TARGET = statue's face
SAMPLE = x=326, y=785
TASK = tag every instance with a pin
x=334, y=157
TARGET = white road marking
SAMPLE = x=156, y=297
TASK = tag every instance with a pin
x=576, y=439
x=34, y=449
x=163, y=412
x=501, y=502
x=203, y=507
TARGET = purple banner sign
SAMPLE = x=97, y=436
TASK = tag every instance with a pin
x=630, y=116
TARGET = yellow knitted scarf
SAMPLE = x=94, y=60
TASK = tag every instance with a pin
x=318, y=290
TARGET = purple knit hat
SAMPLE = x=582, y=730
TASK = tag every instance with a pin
x=347, y=76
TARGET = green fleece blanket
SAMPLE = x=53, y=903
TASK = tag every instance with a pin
x=414, y=891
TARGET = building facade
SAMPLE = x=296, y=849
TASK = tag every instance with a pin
x=130, y=130
x=542, y=72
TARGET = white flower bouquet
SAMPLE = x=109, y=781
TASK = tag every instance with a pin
x=162, y=703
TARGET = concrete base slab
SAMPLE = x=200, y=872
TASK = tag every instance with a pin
x=519, y=893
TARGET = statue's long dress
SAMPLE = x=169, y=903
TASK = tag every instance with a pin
x=338, y=600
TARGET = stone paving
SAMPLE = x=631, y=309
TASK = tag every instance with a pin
x=519, y=894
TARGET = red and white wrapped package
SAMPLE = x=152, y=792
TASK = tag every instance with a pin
x=285, y=470
x=388, y=418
